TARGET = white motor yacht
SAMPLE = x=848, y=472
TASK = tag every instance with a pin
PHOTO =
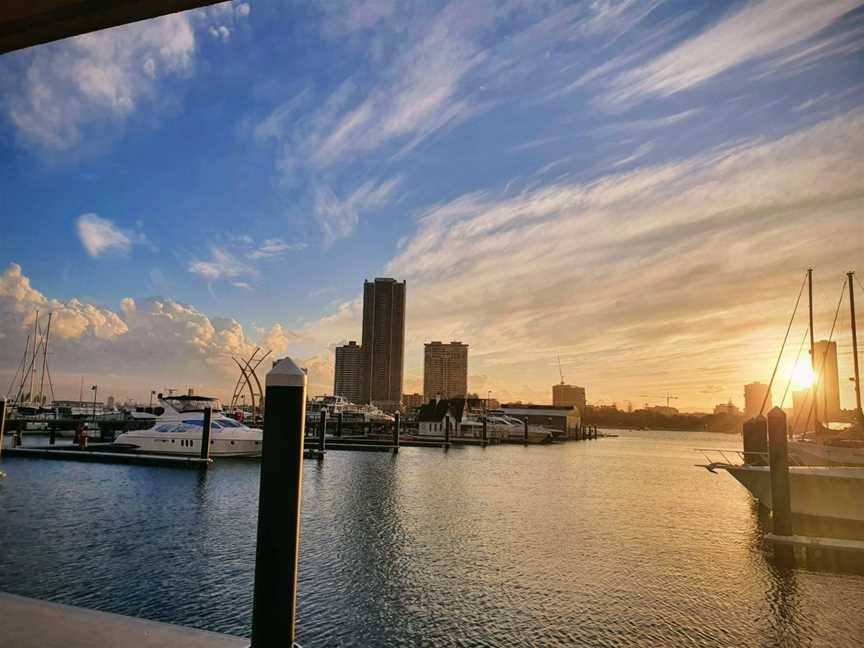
x=179, y=427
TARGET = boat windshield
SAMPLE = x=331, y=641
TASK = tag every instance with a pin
x=186, y=404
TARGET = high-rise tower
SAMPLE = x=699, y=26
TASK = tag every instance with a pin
x=383, y=341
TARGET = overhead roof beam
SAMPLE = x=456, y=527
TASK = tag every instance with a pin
x=24, y=23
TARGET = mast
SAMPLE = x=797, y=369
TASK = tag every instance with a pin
x=33, y=359
x=860, y=415
x=815, y=406
x=44, y=359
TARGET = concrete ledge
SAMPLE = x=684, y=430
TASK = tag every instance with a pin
x=29, y=623
x=811, y=542
x=96, y=456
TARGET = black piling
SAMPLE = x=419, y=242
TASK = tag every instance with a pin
x=447, y=431
x=274, y=607
x=396, y=432
x=322, y=432
x=2, y=422
x=525, y=439
x=52, y=434
x=205, y=435
x=781, y=504
x=755, y=441
x=485, y=432
x=339, y=425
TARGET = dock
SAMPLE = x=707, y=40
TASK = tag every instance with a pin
x=812, y=542
x=30, y=623
x=107, y=456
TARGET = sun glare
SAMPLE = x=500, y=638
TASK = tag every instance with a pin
x=802, y=374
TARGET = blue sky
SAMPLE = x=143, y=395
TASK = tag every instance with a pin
x=589, y=179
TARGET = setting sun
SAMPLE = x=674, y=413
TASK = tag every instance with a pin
x=802, y=374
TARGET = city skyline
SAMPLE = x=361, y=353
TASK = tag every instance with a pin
x=617, y=185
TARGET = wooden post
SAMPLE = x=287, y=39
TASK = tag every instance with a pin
x=52, y=434
x=447, y=430
x=526, y=430
x=396, y=432
x=781, y=509
x=485, y=432
x=274, y=607
x=205, y=434
x=2, y=422
x=339, y=425
x=322, y=432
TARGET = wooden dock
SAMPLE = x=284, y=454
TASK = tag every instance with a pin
x=29, y=623
x=105, y=456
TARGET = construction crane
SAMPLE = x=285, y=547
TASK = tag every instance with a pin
x=667, y=396
x=560, y=370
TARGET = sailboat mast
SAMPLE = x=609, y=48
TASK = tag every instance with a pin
x=33, y=359
x=815, y=405
x=855, y=349
x=44, y=359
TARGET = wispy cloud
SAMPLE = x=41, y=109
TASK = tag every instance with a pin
x=338, y=218
x=221, y=265
x=100, y=235
x=274, y=247
x=758, y=30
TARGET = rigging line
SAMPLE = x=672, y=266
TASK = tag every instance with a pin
x=833, y=325
x=782, y=346
x=797, y=356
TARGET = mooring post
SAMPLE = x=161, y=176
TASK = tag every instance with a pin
x=205, y=435
x=274, y=607
x=778, y=460
x=322, y=432
x=485, y=432
x=52, y=434
x=525, y=439
x=595, y=432
x=447, y=431
x=396, y=432
x=339, y=425
x=2, y=422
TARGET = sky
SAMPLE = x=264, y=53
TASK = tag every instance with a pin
x=634, y=189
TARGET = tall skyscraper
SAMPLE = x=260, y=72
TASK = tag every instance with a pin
x=754, y=395
x=383, y=341
x=569, y=396
x=349, y=377
x=445, y=370
x=828, y=381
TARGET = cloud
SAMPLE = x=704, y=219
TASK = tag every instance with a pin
x=338, y=218
x=221, y=265
x=100, y=235
x=148, y=343
x=758, y=30
x=60, y=94
x=272, y=248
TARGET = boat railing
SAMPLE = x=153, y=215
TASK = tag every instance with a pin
x=728, y=458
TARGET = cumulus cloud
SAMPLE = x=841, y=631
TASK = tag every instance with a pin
x=152, y=342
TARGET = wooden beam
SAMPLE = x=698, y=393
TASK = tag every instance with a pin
x=24, y=23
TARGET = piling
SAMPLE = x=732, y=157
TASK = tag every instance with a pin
x=205, y=435
x=525, y=439
x=485, y=432
x=447, y=431
x=322, y=432
x=778, y=458
x=274, y=607
x=52, y=434
x=339, y=425
x=396, y=432
x=2, y=422
x=755, y=441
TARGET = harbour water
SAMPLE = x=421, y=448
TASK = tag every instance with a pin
x=615, y=542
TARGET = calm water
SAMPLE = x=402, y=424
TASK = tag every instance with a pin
x=616, y=542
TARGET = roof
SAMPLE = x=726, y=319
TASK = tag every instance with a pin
x=434, y=412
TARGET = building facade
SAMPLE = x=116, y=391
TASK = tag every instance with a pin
x=827, y=381
x=568, y=396
x=383, y=342
x=410, y=401
x=350, y=363
x=445, y=370
x=727, y=408
x=754, y=395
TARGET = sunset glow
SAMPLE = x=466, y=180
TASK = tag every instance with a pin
x=802, y=374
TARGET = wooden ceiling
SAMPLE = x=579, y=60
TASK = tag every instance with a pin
x=24, y=23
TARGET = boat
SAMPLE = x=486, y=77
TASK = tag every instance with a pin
x=351, y=412
x=510, y=427
x=178, y=429
x=835, y=492
x=841, y=450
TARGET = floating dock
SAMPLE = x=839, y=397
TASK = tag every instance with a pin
x=29, y=623
x=106, y=456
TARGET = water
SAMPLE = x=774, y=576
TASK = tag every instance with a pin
x=615, y=542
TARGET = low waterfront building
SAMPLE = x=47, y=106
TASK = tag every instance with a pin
x=560, y=417
x=727, y=408
x=412, y=401
x=433, y=416
x=663, y=410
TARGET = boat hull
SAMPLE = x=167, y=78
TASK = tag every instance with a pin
x=814, y=490
x=190, y=446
